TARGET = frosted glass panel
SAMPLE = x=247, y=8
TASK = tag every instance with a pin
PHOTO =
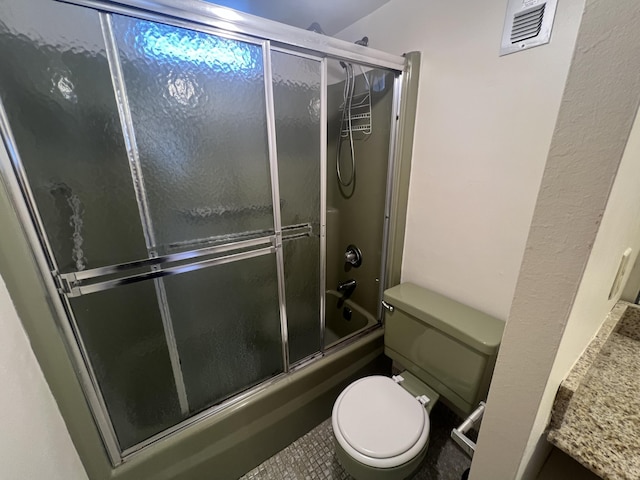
x=122, y=331
x=56, y=89
x=227, y=327
x=296, y=92
x=302, y=285
x=198, y=109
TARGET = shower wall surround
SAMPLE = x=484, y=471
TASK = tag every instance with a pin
x=354, y=211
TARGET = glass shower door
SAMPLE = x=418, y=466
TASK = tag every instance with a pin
x=297, y=106
x=56, y=92
x=198, y=120
x=198, y=124
x=176, y=187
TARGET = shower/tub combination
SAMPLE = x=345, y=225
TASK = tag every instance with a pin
x=208, y=193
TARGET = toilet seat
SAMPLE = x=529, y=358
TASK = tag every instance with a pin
x=380, y=424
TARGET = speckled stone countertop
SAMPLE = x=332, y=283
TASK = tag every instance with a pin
x=596, y=413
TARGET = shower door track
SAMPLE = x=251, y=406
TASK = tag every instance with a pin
x=208, y=19
x=199, y=14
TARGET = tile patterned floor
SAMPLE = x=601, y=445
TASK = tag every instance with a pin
x=312, y=456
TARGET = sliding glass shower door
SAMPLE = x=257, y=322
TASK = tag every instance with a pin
x=297, y=105
x=194, y=110
x=197, y=119
x=174, y=176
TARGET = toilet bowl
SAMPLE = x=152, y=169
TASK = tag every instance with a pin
x=381, y=424
x=381, y=430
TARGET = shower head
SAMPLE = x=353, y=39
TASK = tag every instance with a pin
x=364, y=41
x=315, y=27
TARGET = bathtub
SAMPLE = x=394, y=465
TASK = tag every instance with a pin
x=344, y=321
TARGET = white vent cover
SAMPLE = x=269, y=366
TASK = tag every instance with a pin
x=527, y=24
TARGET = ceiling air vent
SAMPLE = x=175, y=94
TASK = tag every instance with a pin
x=527, y=24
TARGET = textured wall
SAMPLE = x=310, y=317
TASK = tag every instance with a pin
x=619, y=229
x=569, y=264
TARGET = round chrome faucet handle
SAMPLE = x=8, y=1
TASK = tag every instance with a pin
x=353, y=256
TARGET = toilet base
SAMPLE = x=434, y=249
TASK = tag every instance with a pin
x=360, y=471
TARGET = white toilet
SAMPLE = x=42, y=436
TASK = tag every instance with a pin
x=381, y=424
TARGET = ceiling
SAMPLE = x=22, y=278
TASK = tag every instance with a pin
x=332, y=15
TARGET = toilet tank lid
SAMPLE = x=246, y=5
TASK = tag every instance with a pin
x=479, y=330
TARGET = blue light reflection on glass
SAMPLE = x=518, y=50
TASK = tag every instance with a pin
x=164, y=42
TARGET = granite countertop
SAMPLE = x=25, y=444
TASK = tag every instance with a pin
x=596, y=413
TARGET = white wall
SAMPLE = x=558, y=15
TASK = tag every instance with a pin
x=483, y=136
x=581, y=225
x=630, y=292
x=34, y=443
x=483, y=130
x=620, y=229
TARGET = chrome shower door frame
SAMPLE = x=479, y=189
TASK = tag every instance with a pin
x=210, y=19
x=392, y=164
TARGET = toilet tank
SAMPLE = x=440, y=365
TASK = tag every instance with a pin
x=447, y=345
